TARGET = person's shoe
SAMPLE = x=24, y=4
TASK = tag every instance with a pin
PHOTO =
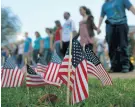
x=114, y=70
x=125, y=71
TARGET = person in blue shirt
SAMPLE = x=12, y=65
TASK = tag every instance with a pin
x=38, y=47
x=28, y=47
x=4, y=54
x=48, y=45
x=117, y=32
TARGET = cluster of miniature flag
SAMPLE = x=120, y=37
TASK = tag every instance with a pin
x=84, y=62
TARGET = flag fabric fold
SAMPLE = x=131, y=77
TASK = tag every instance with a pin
x=33, y=79
x=95, y=67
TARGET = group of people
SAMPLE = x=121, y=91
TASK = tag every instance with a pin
x=116, y=35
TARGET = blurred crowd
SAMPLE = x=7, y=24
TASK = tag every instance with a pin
x=45, y=46
x=58, y=41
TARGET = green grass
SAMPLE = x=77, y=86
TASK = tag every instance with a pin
x=121, y=94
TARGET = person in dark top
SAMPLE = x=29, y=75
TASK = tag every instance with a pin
x=117, y=32
x=58, y=39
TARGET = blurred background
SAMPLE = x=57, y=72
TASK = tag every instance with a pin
x=19, y=16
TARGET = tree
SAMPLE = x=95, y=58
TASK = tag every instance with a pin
x=10, y=24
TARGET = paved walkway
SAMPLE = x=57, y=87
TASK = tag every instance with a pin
x=129, y=75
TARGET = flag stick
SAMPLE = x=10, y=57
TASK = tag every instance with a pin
x=69, y=69
x=83, y=47
x=26, y=61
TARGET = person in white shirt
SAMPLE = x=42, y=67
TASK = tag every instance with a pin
x=20, y=53
x=67, y=29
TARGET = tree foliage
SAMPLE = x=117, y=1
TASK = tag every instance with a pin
x=10, y=24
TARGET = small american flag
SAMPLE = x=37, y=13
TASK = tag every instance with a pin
x=11, y=75
x=78, y=78
x=41, y=68
x=41, y=65
x=51, y=74
x=33, y=79
x=95, y=67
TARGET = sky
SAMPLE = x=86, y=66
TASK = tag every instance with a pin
x=36, y=15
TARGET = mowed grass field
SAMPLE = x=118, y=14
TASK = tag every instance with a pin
x=121, y=94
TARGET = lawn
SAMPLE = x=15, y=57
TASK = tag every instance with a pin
x=121, y=94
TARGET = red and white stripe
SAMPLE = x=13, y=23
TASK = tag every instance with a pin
x=41, y=68
x=63, y=72
x=78, y=79
x=80, y=87
x=12, y=77
x=100, y=73
x=51, y=75
x=34, y=81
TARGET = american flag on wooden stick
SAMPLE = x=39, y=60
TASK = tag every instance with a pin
x=95, y=67
x=11, y=75
x=78, y=77
x=33, y=79
x=51, y=74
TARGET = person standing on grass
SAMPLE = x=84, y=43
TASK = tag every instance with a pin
x=67, y=29
x=87, y=27
x=14, y=51
x=28, y=47
x=101, y=52
x=48, y=45
x=58, y=38
x=4, y=54
x=20, y=54
x=38, y=47
x=117, y=32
